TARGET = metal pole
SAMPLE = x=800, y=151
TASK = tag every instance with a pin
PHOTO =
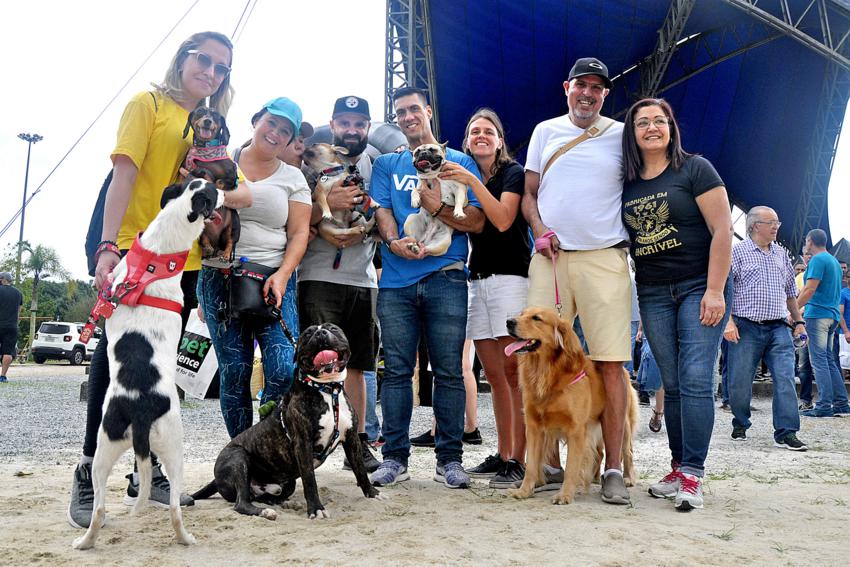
x=30, y=139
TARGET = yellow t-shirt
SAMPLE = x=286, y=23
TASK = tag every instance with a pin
x=798, y=279
x=151, y=135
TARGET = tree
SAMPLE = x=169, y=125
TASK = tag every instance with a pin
x=42, y=261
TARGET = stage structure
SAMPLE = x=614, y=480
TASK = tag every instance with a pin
x=759, y=87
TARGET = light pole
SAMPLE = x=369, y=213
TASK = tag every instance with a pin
x=30, y=139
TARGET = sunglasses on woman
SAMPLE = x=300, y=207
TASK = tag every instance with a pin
x=205, y=61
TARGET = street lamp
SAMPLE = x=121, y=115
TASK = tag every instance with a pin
x=30, y=139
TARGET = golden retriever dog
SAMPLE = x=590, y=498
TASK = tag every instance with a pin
x=564, y=397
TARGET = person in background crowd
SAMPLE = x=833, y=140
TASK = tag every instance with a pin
x=765, y=294
x=678, y=216
x=820, y=297
x=10, y=310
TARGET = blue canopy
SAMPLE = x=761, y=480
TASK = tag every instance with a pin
x=747, y=97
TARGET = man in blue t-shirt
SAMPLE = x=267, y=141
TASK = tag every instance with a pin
x=820, y=296
x=421, y=294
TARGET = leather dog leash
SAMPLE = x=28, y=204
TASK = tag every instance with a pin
x=544, y=243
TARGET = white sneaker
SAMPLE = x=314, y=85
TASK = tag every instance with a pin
x=690, y=492
x=668, y=486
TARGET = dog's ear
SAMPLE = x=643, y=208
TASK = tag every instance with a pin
x=568, y=340
x=340, y=150
x=188, y=124
x=169, y=193
x=203, y=202
x=223, y=134
x=444, y=145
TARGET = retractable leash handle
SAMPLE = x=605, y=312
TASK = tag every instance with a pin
x=546, y=242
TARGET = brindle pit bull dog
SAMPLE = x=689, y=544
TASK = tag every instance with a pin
x=263, y=462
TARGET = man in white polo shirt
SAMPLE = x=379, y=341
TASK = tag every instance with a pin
x=572, y=201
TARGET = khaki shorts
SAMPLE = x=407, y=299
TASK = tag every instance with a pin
x=595, y=286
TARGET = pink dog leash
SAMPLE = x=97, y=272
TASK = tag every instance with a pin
x=544, y=243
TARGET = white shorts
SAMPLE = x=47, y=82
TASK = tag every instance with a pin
x=492, y=301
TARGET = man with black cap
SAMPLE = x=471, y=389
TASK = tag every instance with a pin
x=337, y=282
x=10, y=308
x=572, y=202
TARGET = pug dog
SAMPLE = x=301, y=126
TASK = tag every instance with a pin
x=313, y=418
x=428, y=159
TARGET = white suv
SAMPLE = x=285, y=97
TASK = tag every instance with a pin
x=60, y=340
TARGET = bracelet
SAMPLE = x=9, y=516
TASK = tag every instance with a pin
x=799, y=323
x=107, y=246
x=439, y=210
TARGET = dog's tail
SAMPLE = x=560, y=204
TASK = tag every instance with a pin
x=206, y=491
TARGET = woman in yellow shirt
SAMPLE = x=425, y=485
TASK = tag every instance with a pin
x=146, y=159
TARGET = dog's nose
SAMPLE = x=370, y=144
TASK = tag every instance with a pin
x=511, y=324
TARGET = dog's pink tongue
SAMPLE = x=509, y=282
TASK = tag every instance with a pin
x=423, y=163
x=515, y=346
x=324, y=357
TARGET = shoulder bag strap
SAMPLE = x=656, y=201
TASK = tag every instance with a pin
x=593, y=131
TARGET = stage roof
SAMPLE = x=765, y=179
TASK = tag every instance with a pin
x=752, y=106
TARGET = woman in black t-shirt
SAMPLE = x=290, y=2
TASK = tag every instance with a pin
x=677, y=213
x=498, y=268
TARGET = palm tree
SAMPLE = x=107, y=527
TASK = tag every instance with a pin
x=42, y=262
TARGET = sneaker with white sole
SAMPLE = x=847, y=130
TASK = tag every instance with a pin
x=452, y=475
x=511, y=473
x=160, y=490
x=389, y=473
x=82, y=498
x=489, y=467
x=668, y=486
x=553, y=479
x=790, y=442
x=614, y=489
x=689, y=496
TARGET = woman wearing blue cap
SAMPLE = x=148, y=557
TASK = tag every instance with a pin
x=274, y=232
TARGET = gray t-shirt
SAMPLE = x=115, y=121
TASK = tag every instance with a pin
x=355, y=266
x=263, y=235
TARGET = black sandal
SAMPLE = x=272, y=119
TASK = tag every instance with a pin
x=655, y=421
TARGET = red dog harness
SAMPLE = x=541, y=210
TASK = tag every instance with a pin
x=143, y=267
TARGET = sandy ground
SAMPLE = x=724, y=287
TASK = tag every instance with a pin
x=764, y=506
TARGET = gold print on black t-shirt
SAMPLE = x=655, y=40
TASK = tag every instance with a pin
x=649, y=219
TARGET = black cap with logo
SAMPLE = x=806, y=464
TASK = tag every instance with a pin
x=590, y=66
x=351, y=104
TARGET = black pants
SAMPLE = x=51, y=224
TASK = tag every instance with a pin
x=99, y=370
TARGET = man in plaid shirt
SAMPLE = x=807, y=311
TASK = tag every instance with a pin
x=765, y=293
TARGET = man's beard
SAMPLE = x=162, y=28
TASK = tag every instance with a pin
x=355, y=148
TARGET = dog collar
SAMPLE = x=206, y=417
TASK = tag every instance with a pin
x=334, y=389
x=212, y=151
x=578, y=377
x=333, y=170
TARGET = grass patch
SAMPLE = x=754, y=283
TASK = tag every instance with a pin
x=727, y=535
x=721, y=476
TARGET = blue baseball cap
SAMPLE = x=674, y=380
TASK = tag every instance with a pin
x=285, y=108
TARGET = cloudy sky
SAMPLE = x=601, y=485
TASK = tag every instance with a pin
x=67, y=60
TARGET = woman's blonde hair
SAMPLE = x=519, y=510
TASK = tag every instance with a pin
x=172, y=85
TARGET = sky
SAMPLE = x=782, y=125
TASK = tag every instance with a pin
x=68, y=60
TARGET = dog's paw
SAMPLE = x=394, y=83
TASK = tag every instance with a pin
x=413, y=248
x=187, y=539
x=521, y=493
x=82, y=543
x=268, y=514
x=320, y=514
x=561, y=498
x=460, y=214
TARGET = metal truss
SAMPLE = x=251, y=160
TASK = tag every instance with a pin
x=668, y=36
x=811, y=212
x=821, y=25
x=409, y=55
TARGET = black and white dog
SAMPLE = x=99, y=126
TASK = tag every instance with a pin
x=141, y=408
x=262, y=463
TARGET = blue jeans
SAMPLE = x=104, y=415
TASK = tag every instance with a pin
x=373, y=426
x=804, y=371
x=629, y=364
x=773, y=343
x=234, y=346
x=724, y=371
x=649, y=377
x=435, y=306
x=686, y=352
x=832, y=393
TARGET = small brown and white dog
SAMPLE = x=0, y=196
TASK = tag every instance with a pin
x=428, y=159
x=325, y=162
x=563, y=397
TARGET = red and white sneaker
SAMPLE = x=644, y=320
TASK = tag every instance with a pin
x=690, y=492
x=667, y=487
